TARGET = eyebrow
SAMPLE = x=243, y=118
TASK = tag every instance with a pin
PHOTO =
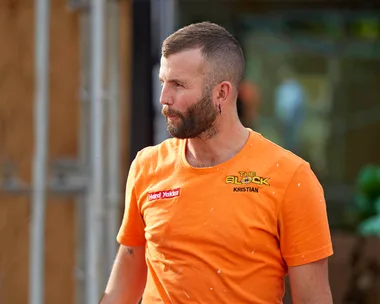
x=174, y=80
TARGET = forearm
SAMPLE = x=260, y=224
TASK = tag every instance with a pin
x=309, y=283
x=324, y=298
x=128, y=278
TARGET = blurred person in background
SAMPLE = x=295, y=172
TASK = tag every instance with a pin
x=218, y=213
x=289, y=108
x=248, y=104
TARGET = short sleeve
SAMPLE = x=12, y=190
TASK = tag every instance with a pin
x=131, y=232
x=303, y=223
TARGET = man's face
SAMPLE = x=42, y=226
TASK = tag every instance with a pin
x=187, y=101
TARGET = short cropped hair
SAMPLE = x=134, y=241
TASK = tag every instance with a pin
x=219, y=48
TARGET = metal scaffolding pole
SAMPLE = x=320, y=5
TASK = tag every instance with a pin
x=113, y=130
x=41, y=123
x=84, y=140
x=95, y=206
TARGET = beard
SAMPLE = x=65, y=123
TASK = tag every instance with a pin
x=198, y=120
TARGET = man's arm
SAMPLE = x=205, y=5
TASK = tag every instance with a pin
x=309, y=283
x=128, y=277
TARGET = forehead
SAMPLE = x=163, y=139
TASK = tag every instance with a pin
x=185, y=64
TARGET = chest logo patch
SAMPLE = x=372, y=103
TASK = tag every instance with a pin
x=246, y=181
x=247, y=178
x=152, y=196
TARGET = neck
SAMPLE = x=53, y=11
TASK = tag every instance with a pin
x=225, y=144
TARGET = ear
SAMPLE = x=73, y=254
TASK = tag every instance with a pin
x=223, y=92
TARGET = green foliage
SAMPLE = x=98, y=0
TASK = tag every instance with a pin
x=369, y=182
x=367, y=201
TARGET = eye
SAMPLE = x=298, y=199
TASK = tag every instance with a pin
x=178, y=85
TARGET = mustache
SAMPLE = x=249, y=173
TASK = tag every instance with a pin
x=170, y=112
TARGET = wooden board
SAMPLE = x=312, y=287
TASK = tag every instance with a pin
x=16, y=141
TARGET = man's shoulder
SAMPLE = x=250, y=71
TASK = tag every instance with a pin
x=280, y=154
x=165, y=150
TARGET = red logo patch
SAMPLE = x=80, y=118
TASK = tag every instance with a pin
x=163, y=194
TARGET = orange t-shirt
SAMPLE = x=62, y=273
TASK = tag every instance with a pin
x=223, y=234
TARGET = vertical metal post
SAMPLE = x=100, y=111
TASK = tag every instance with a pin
x=163, y=24
x=83, y=200
x=113, y=163
x=95, y=204
x=41, y=123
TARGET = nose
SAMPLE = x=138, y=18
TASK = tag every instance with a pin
x=166, y=97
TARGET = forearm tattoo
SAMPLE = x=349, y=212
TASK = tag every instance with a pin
x=130, y=251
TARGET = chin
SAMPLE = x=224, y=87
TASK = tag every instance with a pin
x=183, y=136
x=176, y=135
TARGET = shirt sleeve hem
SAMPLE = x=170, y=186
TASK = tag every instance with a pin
x=309, y=257
x=129, y=241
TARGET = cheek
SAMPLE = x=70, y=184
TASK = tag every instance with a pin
x=185, y=99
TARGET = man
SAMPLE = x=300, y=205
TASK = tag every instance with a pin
x=217, y=214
